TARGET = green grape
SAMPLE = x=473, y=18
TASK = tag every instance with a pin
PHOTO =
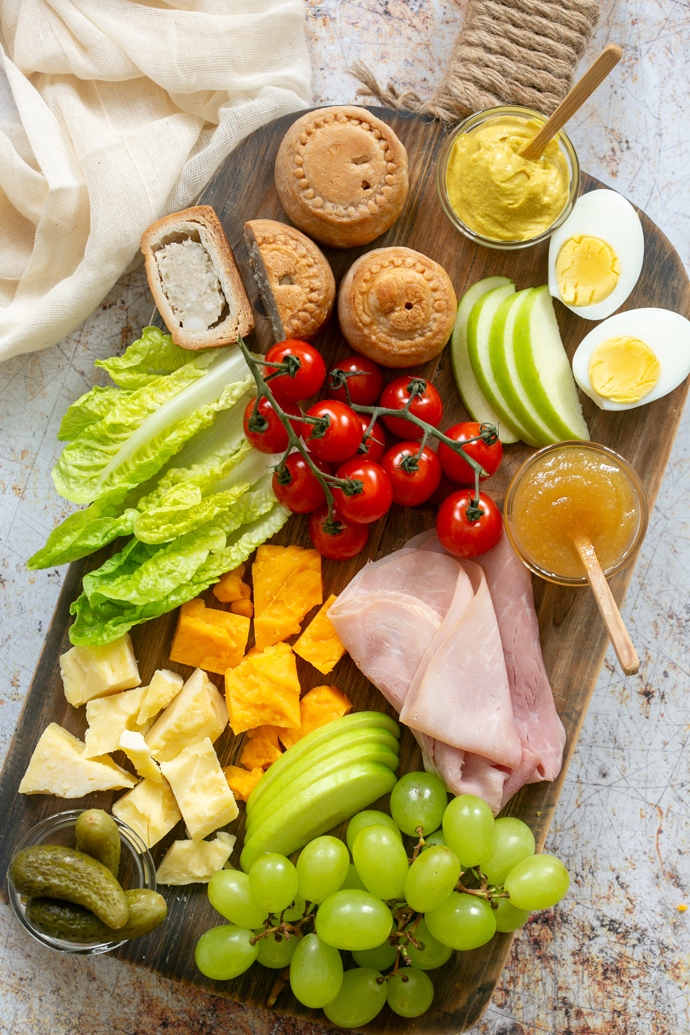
x=316, y=972
x=410, y=992
x=353, y=920
x=295, y=911
x=468, y=824
x=509, y=917
x=229, y=893
x=538, y=882
x=418, y=800
x=433, y=955
x=380, y=958
x=359, y=1000
x=273, y=880
x=353, y=879
x=369, y=818
x=381, y=861
x=322, y=868
x=462, y=921
x=225, y=952
x=514, y=841
x=437, y=838
x=431, y=878
x=276, y=954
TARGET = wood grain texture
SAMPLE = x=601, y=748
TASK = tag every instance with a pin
x=574, y=639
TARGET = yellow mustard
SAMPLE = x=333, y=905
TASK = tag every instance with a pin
x=499, y=194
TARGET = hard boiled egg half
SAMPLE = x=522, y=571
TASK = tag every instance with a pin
x=633, y=358
x=595, y=257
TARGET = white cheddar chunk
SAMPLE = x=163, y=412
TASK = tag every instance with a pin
x=139, y=754
x=59, y=766
x=198, y=711
x=150, y=810
x=190, y=862
x=109, y=717
x=163, y=687
x=97, y=671
x=201, y=790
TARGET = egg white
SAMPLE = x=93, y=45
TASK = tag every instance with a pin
x=608, y=216
x=668, y=336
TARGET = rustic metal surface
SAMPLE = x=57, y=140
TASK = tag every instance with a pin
x=615, y=958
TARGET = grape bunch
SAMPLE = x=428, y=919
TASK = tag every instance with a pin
x=469, y=875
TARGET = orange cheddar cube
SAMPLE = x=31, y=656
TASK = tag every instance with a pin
x=208, y=638
x=263, y=690
x=261, y=748
x=319, y=706
x=319, y=643
x=240, y=781
x=242, y=607
x=230, y=586
x=287, y=585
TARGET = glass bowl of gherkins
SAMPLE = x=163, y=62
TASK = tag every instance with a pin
x=84, y=882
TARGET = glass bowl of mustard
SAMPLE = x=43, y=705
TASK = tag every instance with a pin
x=575, y=488
x=494, y=196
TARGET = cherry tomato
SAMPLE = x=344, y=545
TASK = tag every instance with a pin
x=412, y=487
x=302, y=493
x=489, y=456
x=375, y=445
x=341, y=546
x=274, y=439
x=459, y=535
x=365, y=384
x=342, y=436
x=375, y=498
x=427, y=406
x=309, y=376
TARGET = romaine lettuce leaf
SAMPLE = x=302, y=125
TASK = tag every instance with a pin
x=150, y=356
x=100, y=623
x=88, y=409
x=87, y=530
x=145, y=427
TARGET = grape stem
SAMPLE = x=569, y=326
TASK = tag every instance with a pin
x=351, y=486
x=280, y=983
x=485, y=890
x=420, y=844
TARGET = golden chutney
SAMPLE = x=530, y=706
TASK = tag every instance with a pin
x=576, y=491
x=499, y=194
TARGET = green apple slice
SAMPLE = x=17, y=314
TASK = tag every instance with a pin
x=466, y=383
x=319, y=808
x=353, y=721
x=375, y=745
x=504, y=367
x=479, y=326
x=544, y=369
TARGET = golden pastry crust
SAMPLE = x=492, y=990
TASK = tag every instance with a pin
x=294, y=278
x=397, y=307
x=341, y=175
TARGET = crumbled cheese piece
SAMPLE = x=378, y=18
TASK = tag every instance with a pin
x=195, y=862
x=240, y=781
x=287, y=584
x=209, y=638
x=261, y=748
x=163, y=687
x=197, y=712
x=263, y=690
x=321, y=705
x=58, y=766
x=201, y=790
x=150, y=810
x=96, y=671
x=139, y=754
x=190, y=284
x=108, y=717
x=319, y=643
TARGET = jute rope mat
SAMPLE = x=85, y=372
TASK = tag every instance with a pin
x=517, y=51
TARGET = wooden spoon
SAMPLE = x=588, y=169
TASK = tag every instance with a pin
x=620, y=638
x=574, y=99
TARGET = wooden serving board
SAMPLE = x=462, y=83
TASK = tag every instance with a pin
x=573, y=637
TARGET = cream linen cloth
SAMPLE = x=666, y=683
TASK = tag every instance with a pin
x=124, y=109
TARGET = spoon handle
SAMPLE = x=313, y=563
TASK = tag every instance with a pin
x=620, y=638
x=574, y=99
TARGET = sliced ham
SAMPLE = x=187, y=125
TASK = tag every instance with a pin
x=463, y=772
x=460, y=692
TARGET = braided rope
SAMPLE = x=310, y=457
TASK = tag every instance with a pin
x=516, y=51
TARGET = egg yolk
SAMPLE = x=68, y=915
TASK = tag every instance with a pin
x=623, y=370
x=587, y=270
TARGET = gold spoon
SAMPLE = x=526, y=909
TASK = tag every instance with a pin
x=573, y=100
x=620, y=637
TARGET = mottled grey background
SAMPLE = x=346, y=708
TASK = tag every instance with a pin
x=614, y=958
